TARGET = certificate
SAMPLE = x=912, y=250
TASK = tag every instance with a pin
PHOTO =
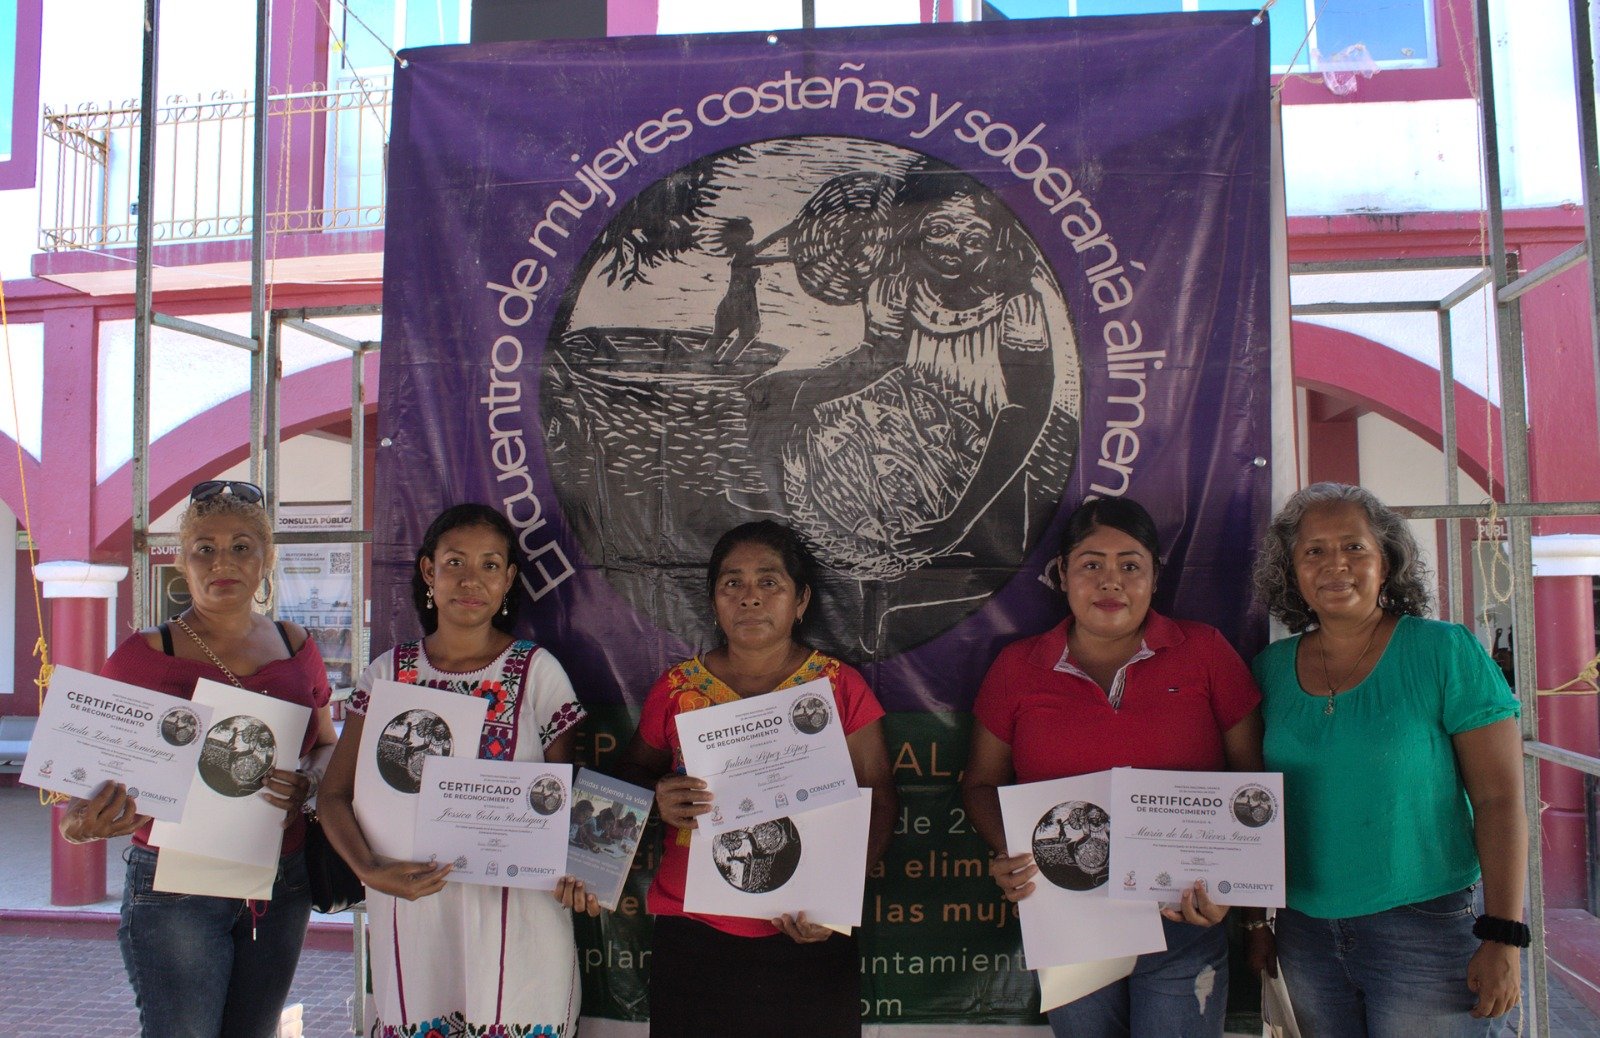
x=499, y=823
x=93, y=730
x=1065, y=825
x=814, y=863
x=771, y=756
x=1225, y=827
x=405, y=725
x=226, y=817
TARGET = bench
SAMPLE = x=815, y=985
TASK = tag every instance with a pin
x=16, y=732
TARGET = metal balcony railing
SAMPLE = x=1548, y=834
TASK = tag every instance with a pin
x=324, y=173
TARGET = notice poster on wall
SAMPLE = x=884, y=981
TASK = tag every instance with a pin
x=312, y=585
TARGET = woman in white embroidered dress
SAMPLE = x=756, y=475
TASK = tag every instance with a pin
x=453, y=958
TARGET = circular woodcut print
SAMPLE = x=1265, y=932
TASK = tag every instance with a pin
x=759, y=859
x=842, y=334
x=1072, y=845
x=237, y=754
x=405, y=745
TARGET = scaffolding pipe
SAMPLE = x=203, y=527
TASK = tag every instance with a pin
x=1514, y=438
x=1410, y=306
x=1553, y=267
x=319, y=332
x=262, y=373
x=1589, y=159
x=141, y=317
x=1452, y=466
x=204, y=331
x=1468, y=289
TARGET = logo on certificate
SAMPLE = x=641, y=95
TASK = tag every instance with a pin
x=408, y=740
x=546, y=795
x=1072, y=845
x=759, y=859
x=810, y=715
x=1254, y=805
x=179, y=726
x=238, y=753
x=1128, y=882
x=1224, y=887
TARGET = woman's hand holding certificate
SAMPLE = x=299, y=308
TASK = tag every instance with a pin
x=94, y=731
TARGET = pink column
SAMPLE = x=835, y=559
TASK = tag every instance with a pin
x=79, y=613
x=1563, y=598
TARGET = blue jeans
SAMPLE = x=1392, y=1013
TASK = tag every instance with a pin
x=1401, y=973
x=1179, y=993
x=196, y=968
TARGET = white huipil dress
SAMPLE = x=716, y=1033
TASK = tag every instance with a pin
x=477, y=960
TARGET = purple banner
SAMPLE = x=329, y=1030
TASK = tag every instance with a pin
x=915, y=291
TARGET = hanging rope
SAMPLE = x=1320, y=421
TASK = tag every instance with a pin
x=1587, y=683
x=1493, y=563
x=41, y=646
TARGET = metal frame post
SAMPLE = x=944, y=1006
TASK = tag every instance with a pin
x=1514, y=441
x=1452, y=468
x=1589, y=159
x=141, y=318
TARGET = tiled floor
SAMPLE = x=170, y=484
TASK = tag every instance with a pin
x=76, y=986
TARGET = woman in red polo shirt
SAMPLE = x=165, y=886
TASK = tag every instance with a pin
x=1116, y=684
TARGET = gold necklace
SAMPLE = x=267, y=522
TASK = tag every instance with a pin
x=213, y=656
x=1322, y=650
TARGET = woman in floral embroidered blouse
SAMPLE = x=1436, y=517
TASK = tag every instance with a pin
x=458, y=959
x=720, y=975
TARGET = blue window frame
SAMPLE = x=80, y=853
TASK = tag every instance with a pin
x=8, y=77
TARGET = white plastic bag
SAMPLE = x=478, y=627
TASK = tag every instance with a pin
x=1277, y=1016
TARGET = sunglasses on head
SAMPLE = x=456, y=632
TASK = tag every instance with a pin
x=246, y=492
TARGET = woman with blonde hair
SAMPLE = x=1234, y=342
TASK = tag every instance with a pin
x=217, y=966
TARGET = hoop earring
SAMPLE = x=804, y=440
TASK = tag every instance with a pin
x=429, y=604
x=264, y=599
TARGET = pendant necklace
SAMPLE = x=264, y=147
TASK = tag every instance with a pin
x=1322, y=650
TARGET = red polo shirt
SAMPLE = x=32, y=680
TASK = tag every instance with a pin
x=1179, y=694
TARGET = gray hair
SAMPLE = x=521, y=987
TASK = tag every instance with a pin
x=1405, y=589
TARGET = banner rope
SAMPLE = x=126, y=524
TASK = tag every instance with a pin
x=1309, y=74
x=357, y=18
x=41, y=646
